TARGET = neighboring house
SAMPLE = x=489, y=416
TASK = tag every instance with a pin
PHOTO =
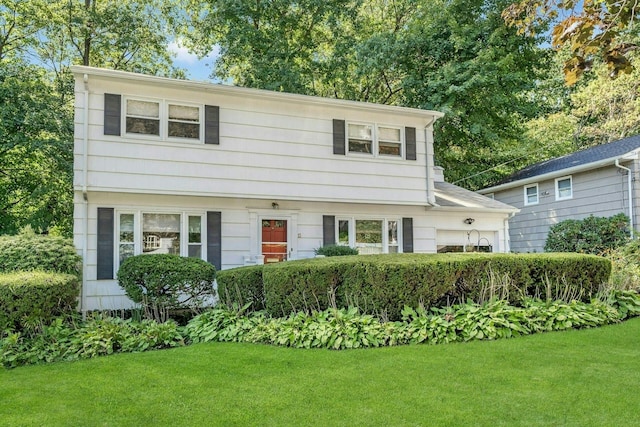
x=241, y=176
x=598, y=181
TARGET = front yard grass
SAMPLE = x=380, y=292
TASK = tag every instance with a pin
x=575, y=378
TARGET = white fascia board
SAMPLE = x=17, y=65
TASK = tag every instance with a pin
x=632, y=155
x=485, y=210
x=80, y=70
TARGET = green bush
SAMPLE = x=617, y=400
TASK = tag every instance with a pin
x=163, y=282
x=27, y=252
x=384, y=284
x=592, y=235
x=625, y=260
x=241, y=286
x=28, y=299
x=336, y=250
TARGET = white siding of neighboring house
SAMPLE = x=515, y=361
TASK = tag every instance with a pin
x=600, y=192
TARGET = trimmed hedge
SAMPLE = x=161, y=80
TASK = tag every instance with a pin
x=32, y=252
x=241, y=286
x=384, y=284
x=28, y=298
x=336, y=250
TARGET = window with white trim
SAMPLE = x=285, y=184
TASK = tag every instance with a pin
x=564, y=188
x=179, y=233
x=374, y=139
x=369, y=235
x=531, y=194
x=165, y=119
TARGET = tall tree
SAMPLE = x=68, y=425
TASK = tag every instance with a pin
x=20, y=22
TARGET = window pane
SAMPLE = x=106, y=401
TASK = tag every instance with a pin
x=126, y=228
x=185, y=113
x=195, y=229
x=369, y=236
x=195, y=251
x=532, y=194
x=126, y=251
x=389, y=148
x=343, y=232
x=389, y=134
x=143, y=126
x=359, y=146
x=184, y=130
x=393, y=232
x=360, y=132
x=564, y=188
x=143, y=108
x=161, y=233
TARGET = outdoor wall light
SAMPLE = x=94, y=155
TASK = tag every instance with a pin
x=469, y=221
x=274, y=205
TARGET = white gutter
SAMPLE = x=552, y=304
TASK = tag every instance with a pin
x=629, y=185
x=85, y=198
x=555, y=174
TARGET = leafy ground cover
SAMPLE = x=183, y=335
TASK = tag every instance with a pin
x=587, y=377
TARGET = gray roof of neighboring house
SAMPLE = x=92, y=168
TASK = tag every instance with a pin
x=450, y=195
x=583, y=157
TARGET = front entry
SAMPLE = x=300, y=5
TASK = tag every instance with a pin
x=274, y=240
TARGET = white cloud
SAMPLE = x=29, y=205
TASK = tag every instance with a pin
x=185, y=57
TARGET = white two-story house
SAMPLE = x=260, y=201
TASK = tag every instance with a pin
x=240, y=176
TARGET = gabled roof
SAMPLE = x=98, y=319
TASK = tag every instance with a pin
x=583, y=160
x=452, y=196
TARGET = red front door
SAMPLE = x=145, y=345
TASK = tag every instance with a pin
x=274, y=240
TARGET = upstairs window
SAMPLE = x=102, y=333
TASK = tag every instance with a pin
x=374, y=140
x=531, y=194
x=143, y=117
x=564, y=188
x=164, y=119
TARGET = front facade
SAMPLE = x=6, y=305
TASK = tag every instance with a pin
x=241, y=176
x=599, y=181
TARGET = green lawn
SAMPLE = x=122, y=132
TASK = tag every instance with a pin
x=577, y=378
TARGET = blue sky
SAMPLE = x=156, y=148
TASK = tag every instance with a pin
x=197, y=69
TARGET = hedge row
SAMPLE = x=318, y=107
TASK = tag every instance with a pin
x=384, y=284
x=33, y=252
x=35, y=297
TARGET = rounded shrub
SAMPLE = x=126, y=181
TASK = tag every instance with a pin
x=32, y=252
x=336, y=250
x=162, y=282
x=592, y=235
x=34, y=297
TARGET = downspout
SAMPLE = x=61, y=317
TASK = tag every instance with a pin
x=431, y=198
x=85, y=197
x=506, y=247
x=629, y=184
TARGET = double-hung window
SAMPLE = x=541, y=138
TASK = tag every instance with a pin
x=164, y=119
x=369, y=235
x=374, y=139
x=178, y=233
x=564, y=188
x=531, y=194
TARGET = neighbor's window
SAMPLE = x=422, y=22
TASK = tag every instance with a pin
x=143, y=117
x=360, y=138
x=564, y=188
x=531, y=194
x=184, y=121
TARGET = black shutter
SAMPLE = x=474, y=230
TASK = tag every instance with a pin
x=214, y=239
x=338, y=137
x=410, y=143
x=112, y=110
x=211, y=124
x=105, y=243
x=407, y=235
x=328, y=230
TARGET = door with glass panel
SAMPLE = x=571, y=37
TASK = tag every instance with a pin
x=274, y=240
